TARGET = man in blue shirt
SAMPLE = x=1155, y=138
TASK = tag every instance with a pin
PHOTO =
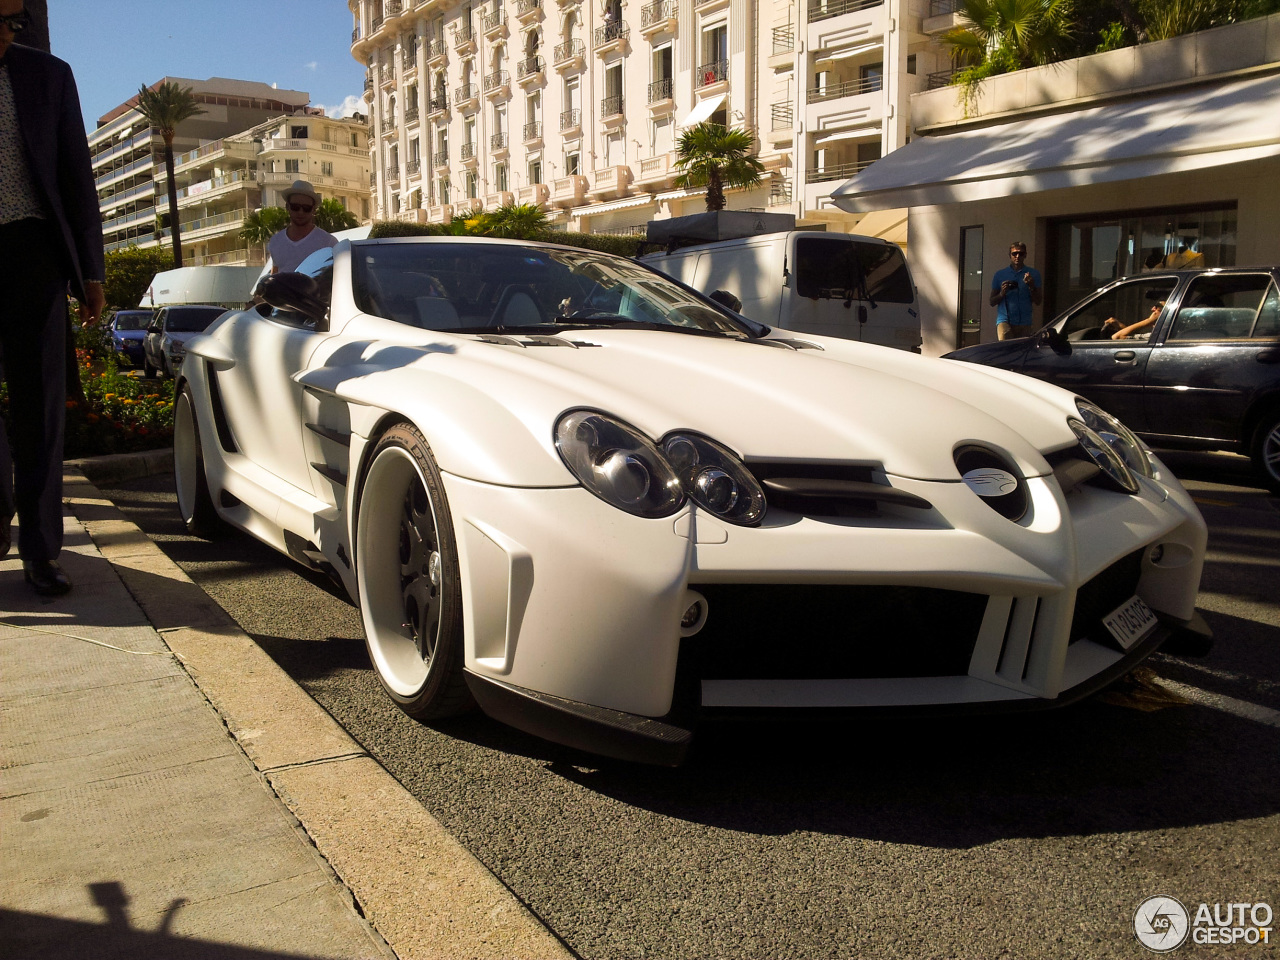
x=1014, y=290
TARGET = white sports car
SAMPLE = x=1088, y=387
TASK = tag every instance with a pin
x=569, y=489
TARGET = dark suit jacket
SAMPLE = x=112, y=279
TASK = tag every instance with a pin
x=57, y=150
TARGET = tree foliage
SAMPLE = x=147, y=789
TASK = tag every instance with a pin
x=164, y=107
x=262, y=224
x=129, y=273
x=709, y=155
x=332, y=216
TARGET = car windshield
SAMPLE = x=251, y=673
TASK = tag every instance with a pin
x=191, y=319
x=132, y=320
x=499, y=287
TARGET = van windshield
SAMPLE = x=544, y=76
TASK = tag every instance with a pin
x=839, y=268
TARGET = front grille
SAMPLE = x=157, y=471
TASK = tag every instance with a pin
x=819, y=631
x=1103, y=594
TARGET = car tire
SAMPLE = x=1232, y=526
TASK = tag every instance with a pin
x=148, y=370
x=408, y=580
x=194, y=501
x=1265, y=450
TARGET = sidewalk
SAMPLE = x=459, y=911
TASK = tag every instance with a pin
x=166, y=791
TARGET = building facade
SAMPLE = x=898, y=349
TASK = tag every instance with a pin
x=221, y=182
x=128, y=155
x=577, y=104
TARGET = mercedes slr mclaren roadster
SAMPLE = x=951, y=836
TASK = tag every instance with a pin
x=568, y=489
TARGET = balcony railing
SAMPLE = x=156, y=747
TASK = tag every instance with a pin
x=435, y=49
x=525, y=8
x=409, y=56
x=611, y=32
x=713, y=72
x=497, y=141
x=569, y=119
x=440, y=158
x=463, y=35
x=783, y=115
x=611, y=106
x=375, y=24
x=496, y=81
x=838, y=171
x=412, y=168
x=569, y=50
x=938, y=8
x=392, y=8
x=388, y=124
x=355, y=35
x=393, y=174
x=468, y=91
x=660, y=90
x=494, y=21
x=779, y=192
x=657, y=12
x=437, y=103
x=826, y=9
x=941, y=78
x=468, y=152
x=849, y=88
x=411, y=114
x=533, y=130
x=528, y=67
x=784, y=40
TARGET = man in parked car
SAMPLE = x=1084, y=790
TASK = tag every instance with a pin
x=302, y=237
x=50, y=239
x=1015, y=290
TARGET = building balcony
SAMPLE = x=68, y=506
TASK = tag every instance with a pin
x=411, y=114
x=388, y=124
x=467, y=96
x=495, y=25
x=393, y=8
x=440, y=159
x=530, y=71
x=440, y=213
x=498, y=145
x=657, y=17
x=438, y=106
x=532, y=132
x=468, y=205
x=468, y=154
x=387, y=76
x=413, y=168
x=501, y=198
x=368, y=88
x=779, y=192
x=571, y=122
x=527, y=11
x=232, y=258
x=610, y=182
x=569, y=191
x=412, y=215
x=657, y=172
x=535, y=193
x=611, y=37
x=570, y=55
x=211, y=189
x=497, y=85
x=437, y=53
x=375, y=25
x=464, y=39
x=836, y=171
x=611, y=107
x=661, y=94
x=784, y=40
x=393, y=176
x=709, y=74
x=845, y=88
x=826, y=9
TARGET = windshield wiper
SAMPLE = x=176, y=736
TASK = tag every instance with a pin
x=613, y=321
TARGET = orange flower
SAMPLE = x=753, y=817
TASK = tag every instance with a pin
x=71, y=404
x=92, y=418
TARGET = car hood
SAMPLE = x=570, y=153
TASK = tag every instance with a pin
x=843, y=402
x=129, y=334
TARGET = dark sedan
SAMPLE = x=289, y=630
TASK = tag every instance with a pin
x=1186, y=359
x=128, y=330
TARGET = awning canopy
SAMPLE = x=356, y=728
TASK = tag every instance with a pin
x=593, y=210
x=703, y=110
x=844, y=53
x=1190, y=129
x=853, y=134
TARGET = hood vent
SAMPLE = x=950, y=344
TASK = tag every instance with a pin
x=830, y=490
x=533, y=340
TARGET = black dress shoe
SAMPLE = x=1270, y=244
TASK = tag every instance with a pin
x=46, y=577
x=6, y=537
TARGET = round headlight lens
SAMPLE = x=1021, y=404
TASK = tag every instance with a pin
x=715, y=478
x=1117, y=436
x=1101, y=453
x=618, y=464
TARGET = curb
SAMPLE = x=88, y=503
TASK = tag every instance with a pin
x=420, y=889
x=119, y=467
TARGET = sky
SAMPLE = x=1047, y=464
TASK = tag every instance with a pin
x=116, y=46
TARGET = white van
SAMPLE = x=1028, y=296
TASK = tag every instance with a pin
x=832, y=284
x=219, y=285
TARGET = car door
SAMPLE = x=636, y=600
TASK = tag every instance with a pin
x=155, y=333
x=1089, y=362
x=263, y=401
x=1221, y=351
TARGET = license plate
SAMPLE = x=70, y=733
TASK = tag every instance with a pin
x=1130, y=622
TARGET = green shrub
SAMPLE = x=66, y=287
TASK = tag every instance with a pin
x=129, y=273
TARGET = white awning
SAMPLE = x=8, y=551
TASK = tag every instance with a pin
x=596, y=209
x=703, y=110
x=1191, y=129
x=848, y=135
x=844, y=53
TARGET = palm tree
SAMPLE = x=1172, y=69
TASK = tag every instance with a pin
x=333, y=216
x=1006, y=35
x=710, y=155
x=164, y=106
x=262, y=224
x=516, y=221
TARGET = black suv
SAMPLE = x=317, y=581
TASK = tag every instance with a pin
x=1187, y=359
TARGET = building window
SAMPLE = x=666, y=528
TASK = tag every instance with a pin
x=911, y=63
x=500, y=177
x=326, y=168
x=872, y=77
x=535, y=171
x=972, y=289
x=297, y=133
x=572, y=164
x=443, y=190
x=292, y=166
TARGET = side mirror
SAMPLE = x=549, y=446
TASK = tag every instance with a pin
x=295, y=293
x=1053, y=338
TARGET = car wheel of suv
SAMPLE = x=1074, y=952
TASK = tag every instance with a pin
x=1266, y=450
x=148, y=370
x=408, y=580
x=194, y=502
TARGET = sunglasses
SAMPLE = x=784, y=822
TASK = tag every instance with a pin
x=17, y=22
x=1017, y=253
x=302, y=207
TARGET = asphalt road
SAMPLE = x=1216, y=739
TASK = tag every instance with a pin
x=971, y=838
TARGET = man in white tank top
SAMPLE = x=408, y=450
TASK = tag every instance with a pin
x=302, y=237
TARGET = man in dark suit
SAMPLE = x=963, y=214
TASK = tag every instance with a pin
x=50, y=239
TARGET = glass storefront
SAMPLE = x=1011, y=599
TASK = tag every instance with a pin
x=1087, y=252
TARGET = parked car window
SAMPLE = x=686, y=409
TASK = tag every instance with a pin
x=319, y=267
x=1268, y=325
x=191, y=319
x=829, y=267
x=1220, y=307
x=132, y=320
x=1126, y=302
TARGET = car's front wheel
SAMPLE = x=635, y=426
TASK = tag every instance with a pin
x=192, y=487
x=408, y=580
x=1266, y=450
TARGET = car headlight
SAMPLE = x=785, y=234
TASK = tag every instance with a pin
x=618, y=463
x=714, y=478
x=1117, y=436
x=1100, y=452
x=177, y=348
